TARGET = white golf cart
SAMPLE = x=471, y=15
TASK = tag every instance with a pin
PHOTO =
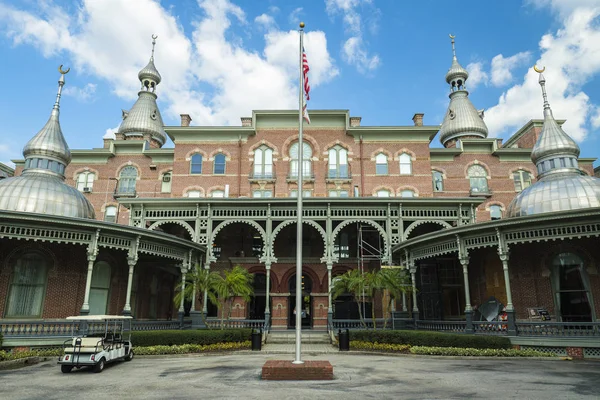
x=97, y=340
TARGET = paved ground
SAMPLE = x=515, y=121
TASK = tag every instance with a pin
x=357, y=376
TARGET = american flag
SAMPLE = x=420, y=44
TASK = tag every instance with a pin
x=305, y=70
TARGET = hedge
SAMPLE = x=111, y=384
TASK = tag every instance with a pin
x=15, y=355
x=453, y=351
x=435, y=339
x=191, y=348
x=1, y=338
x=196, y=336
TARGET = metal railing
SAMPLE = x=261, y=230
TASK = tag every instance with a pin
x=559, y=329
x=443, y=326
x=490, y=328
x=261, y=176
x=358, y=324
x=16, y=328
x=157, y=325
x=236, y=323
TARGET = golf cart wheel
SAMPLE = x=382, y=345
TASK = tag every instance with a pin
x=66, y=368
x=100, y=366
x=129, y=356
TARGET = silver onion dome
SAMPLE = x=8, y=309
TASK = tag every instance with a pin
x=462, y=118
x=144, y=119
x=561, y=185
x=41, y=187
x=149, y=75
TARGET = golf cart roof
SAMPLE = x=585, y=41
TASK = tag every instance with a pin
x=98, y=317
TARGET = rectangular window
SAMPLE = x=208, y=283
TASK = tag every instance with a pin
x=438, y=181
x=338, y=193
x=262, y=194
x=305, y=193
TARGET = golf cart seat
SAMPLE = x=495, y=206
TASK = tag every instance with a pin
x=84, y=345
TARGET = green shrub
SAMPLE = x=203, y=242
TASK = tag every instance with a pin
x=426, y=338
x=453, y=351
x=191, y=348
x=397, y=348
x=15, y=355
x=1, y=338
x=196, y=336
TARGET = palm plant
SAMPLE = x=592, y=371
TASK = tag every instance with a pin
x=373, y=284
x=235, y=282
x=396, y=281
x=198, y=280
x=351, y=282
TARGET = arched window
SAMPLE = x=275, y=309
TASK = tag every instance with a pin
x=110, y=214
x=100, y=288
x=27, y=286
x=381, y=164
x=438, y=181
x=263, y=163
x=219, y=164
x=127, y=180
x=196, y=164
x=306, y=163
x=405, y=164
x=522, y=180
x=407, y=193
x=217, y=193
x=262, y=193
x=85, y=181
x=193, y=193
x=495, y=212
x=478, y=179
x=383, y=193
x=166, y=182
x=338, y=162
x=572, y=295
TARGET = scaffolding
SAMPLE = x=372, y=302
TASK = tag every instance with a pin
x=367, y=252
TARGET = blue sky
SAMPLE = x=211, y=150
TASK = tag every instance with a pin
x=384, y=60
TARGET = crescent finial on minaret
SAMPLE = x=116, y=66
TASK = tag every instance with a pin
x=61, y=70
x=539, y=71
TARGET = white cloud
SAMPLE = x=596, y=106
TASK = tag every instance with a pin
x=477, y=75
x=110, y=133
x=563, y=7
x=81, y=93
x=266, y=21
x=354, y=50
x=502, y=67
x=210, y=74
x=572, y=58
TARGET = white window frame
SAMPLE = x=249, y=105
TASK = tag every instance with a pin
x=405, y=164
x=262, y=194
x=519, y=180
x=439, y=174
x=263, y=162
x=407, y=193
x=85, y=179
x=306, y=160
x=478, y=179
x=342, y=193
x=193, y=194
x=305, y=193
x=381, y=164
x=338, y=163
x=218, y=194
x=110, y=214
x=383, y=193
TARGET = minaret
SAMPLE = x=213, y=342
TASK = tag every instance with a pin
x=41, y=188
x=561, y=185
x=554, y=151
x=48, y=152
x=143, y=121
x=462, y=120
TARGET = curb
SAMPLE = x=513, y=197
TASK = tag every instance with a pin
x=22, y=362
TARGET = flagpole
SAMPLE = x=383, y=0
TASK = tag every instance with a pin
x=298, y=307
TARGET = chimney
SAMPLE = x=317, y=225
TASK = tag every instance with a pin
x=355, y=121
x=185, y=119
x=246, y=121
x=418, y=119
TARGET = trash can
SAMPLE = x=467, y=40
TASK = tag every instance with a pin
x=256, y=339
x=344, y=339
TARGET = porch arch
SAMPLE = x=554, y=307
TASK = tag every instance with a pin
x=374, y=224
x=187, y=226
x=413, y=225
x=223, y=224
x=312, y=223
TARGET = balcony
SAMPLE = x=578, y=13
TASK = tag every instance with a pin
x=338, y=176
x=261, y=176
x=307, y=177
x=124, y=193
x=480, y=192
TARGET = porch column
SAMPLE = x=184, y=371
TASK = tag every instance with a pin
x=205, y=296
x=181, y=311
x=329, y=300
x=268, y=294
x=464, y=261
x=131, y=262
x=85, y=309
x=404, y=302
x=510, y=310
x=413, y=276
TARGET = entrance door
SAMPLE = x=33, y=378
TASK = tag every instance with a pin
x=258, y=301
x=306, y=302
x=571, y=289
x=100, y=288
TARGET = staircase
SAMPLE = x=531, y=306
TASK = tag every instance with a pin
x=289, y=336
